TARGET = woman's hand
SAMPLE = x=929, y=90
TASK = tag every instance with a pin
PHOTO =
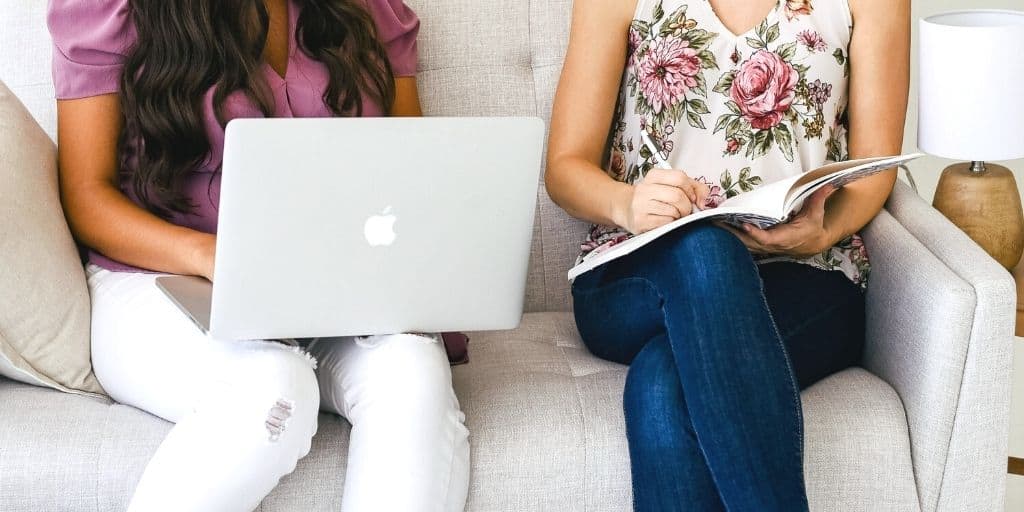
x=663, y=196
x=805, y=235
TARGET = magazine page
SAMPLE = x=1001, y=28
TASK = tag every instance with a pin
x=839, y=174
x=763, y=207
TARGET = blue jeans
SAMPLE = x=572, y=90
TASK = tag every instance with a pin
x=718, y=349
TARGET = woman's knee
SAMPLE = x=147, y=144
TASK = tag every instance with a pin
x=400, y=374
x=653, y=392
x=705, y=260
x=276, y=386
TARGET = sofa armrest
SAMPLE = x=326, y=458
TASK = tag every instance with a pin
x=940, y=316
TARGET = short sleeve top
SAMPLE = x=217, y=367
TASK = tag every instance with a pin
x=92, y=39
x=735, y=111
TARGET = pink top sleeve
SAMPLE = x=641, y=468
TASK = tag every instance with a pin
x=398, y=27
x=90, y=41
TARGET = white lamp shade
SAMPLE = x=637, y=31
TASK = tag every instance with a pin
x=971, y=98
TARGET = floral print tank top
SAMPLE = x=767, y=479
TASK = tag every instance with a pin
x=735, y=111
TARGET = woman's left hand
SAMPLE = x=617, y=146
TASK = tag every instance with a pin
x=805, y=235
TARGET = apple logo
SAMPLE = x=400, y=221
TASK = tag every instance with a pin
x=380, y=229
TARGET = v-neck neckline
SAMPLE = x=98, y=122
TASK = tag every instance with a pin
x=767, y=19
x=292, y=24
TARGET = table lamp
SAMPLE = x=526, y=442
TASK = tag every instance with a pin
x=971, y=107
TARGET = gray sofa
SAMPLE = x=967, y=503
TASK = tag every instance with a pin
x=922, y=426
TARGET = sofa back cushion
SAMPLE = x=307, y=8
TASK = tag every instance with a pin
x=44, y=302
x=25, y=59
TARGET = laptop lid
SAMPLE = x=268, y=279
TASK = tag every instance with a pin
x=331, y=227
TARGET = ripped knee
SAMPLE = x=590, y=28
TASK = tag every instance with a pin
x=277, y=418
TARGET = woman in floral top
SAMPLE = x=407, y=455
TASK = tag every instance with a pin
x=722, y=326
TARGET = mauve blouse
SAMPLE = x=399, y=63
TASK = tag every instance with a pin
x=92, y=38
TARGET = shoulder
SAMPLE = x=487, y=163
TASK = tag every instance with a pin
x=620, y=10
x=91, y=39
x=868, y=10
x=397, y=26
x=393, y=18
x=102, y=25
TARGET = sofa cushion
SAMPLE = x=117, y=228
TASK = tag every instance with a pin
x=61, y=452
x=546, y=427
x=25, y=62
x=549, y=434
x=44, y=304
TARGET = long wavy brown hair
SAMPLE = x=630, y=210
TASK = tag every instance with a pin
x=187, y=47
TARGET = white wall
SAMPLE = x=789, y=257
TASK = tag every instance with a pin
x=926, y=170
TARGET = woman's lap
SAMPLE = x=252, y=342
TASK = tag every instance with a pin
x=147, y=354
x=819, y=314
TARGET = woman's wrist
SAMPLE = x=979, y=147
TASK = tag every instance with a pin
x=621, y=199
x=832, y=233
x=202, y=247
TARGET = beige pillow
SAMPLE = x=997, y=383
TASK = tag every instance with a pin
x=44, y=301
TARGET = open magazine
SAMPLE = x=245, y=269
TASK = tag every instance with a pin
x=763, y=207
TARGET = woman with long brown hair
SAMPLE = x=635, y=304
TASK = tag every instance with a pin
x=145, y=89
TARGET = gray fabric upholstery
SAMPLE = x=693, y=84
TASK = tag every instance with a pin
x=925, y=424
x=25, y=51
x=940, y=328
x=547, y=434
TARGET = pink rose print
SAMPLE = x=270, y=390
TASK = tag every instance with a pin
x=732, y=146
x=858, y=247
x=618, y=164
x=715, y=194
x=764, y=89
x=812, y=40
x=635, y=39
x=603, y=237
x=796, y=8
x=667, y=71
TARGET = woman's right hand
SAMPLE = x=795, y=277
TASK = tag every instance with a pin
x=662, y=196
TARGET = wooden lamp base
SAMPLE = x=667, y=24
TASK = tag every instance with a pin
x=985, y=205
x=1018, y=276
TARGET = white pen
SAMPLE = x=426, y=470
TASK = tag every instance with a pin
x=662, y=163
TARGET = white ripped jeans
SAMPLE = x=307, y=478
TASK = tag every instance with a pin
x=245, y=411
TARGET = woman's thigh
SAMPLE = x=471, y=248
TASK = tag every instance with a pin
x=620, y=305
x=146, y=353
x=819, y=315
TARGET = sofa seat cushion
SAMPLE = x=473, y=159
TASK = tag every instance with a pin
x=546, y=427
x=548, y=430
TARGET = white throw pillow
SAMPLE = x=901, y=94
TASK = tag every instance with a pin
x=44, y=301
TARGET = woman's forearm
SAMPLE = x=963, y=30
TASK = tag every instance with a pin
x=586, y=192
x=99, y=214
x=103, y=218
x=852, y=207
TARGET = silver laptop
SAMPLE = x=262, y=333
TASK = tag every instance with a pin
x=333, y=227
